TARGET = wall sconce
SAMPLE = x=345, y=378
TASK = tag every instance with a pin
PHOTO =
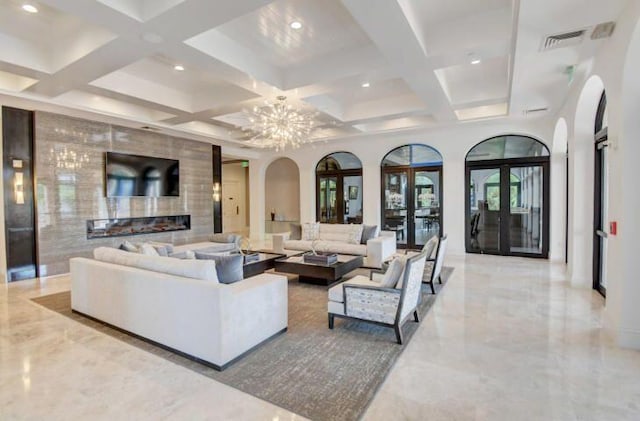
x=216, y=192
x=18, y=183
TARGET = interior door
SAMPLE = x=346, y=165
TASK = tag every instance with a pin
x=328, y=205
x=396, y=200
x=601, y=216
x=484, y=210
x=507, y=209
x=426, y=205
x=232, y=210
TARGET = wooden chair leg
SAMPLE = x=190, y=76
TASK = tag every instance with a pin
x=331, y=317
x=416, y=317
x=398, y=330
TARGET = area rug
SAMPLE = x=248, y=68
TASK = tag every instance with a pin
x=315, y=372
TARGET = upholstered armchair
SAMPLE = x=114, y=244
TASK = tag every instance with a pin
x=367, y=301
x=433, y=267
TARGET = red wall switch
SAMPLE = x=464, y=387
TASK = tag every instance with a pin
x=613, y=227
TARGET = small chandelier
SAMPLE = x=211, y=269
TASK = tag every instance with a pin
x=68, y=159
x=278, y=125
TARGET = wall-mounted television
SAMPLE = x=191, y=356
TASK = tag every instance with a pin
x=135, y=175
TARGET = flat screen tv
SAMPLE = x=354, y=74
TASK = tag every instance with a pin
x=135, y=175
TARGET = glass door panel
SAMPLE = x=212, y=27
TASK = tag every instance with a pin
x=395, y=204
x=426, y=206
x=525, y=209
x=328, y=200
x=484, y=210
x=602, y=216
x=352, y=193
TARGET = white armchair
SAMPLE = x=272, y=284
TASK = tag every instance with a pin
x=366, y=301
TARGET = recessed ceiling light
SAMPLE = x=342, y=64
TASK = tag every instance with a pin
x=178, y=67
x=366, y=85
x=295, y=25
x=476, y=61
x=30, y=8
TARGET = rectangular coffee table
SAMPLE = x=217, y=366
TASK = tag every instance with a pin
x=316, y=273
x=265, y=262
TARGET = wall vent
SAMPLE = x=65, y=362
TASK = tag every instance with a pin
x=603, y=30
x=565, y=39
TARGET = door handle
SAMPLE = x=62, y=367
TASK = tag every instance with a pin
x=602, y=234
x=237, y=210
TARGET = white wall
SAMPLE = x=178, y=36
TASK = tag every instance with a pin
x=616, y=66
x=452, y=142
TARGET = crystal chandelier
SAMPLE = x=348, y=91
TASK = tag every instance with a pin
x=278, y=125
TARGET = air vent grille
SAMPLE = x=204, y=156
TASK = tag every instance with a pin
x=535, y=111
x=565, y=39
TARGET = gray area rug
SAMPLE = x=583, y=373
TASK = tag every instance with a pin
x=318, y=373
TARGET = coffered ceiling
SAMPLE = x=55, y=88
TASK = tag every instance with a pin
x=365, y=66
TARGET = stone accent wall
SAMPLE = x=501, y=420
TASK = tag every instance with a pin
x=69, y=170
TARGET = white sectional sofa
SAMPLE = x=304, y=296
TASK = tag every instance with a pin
x=339, y=238
x=180, y=304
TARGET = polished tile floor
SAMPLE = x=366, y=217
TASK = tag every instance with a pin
x=507, y=339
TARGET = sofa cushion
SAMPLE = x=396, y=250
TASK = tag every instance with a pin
x=336, y=292
x=296, y=231
x=184, y=255
x=196, y=269
x=148, y=250
x=368, y=232
x=351, y=233
x=310, y=231
x=130, y=247
x=163, y=249
x=228, y=267
x=393, y=273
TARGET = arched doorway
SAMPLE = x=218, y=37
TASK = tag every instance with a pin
x=601, y=197
x=507, y=197
x=412, y=194
x=282, y=195
x=339, y=189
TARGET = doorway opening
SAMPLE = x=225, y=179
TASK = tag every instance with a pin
x=412, y=194
x=507, y=197
x=601, y=198
x=339, y=189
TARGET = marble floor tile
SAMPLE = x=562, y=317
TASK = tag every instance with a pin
x=506, y=339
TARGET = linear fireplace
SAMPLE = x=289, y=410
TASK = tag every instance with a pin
x=119, y=227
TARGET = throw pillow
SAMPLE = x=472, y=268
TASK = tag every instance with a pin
x=184, y=255
x=311, y=231
x=224, y=238
x=392, y=275
x=368, y=233
x=296, y=232
x=228, y=268
x=130, y=247
x=163, y=249
x=355, y=235
x=148, y=250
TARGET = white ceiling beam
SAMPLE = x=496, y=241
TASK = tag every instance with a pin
x=388, y=27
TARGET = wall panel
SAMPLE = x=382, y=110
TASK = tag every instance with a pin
x=69, y=165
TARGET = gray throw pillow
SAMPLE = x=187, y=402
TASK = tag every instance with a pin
x=224, y=238
x=184, y=255
x=368, y=233
x=228, y=268
x=296, y=231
